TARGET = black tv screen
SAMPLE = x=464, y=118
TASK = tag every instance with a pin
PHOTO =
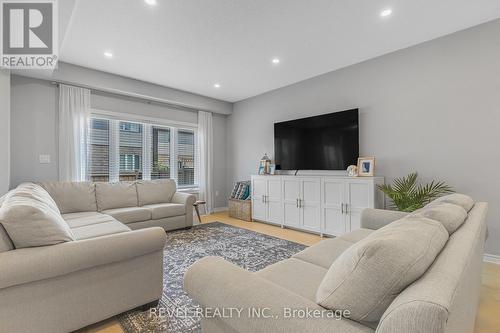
x=325, y=142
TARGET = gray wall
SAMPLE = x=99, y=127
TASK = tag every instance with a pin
x=4, y=131
x=433, y=108
x=85, y=76
x=34, y=129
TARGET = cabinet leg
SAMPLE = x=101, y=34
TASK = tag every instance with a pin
x=282, y=226
x=321, y=235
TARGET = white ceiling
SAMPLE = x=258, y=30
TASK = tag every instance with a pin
x=193, y=44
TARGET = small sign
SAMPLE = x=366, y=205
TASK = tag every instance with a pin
x=29, y=34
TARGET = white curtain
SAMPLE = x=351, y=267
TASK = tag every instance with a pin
x=205, y=153
x=74, y=112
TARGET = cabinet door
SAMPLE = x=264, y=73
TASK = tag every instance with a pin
x=359, y=195
x=334, y=221
x=259, y=191
x=310, y=204
x=274, y=200
x=291, y=194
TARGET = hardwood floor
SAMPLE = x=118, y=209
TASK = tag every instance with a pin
x=488, y=315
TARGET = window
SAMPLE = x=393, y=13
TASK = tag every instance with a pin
x=130, y=150
x=130, y=127
x=125, y=150
x=99, y=150
x=161, y=153
x=185, y=158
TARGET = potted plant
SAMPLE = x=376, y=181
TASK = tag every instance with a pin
x=407, y=196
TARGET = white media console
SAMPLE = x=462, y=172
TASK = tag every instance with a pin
x=328, y=205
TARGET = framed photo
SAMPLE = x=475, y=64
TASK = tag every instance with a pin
x=366, y=166
x=261, y=169
x=272, y=169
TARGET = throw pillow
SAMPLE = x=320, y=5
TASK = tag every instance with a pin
x=30, y=222
x=367, y=277
x=450, y=215
x=462, y=200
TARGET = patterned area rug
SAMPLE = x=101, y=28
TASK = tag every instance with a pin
x=247, y=249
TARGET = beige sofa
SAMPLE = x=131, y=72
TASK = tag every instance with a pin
x=106, y=269
x=442, y=300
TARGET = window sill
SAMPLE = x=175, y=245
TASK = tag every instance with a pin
x=191, y=190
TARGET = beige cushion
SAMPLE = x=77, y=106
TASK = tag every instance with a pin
x=367, y=277
x=300, y=277
x=462, y=200
x=450, y=215
x=324, y=253
x=356, y=235
x=155, y=191
x=30, y=222
x=99, y=229
x=5, y=241
x=115, y=195
x=38, y=193
x=129, y=214
x=76, y=220
x=72, y=197
x=159, y=211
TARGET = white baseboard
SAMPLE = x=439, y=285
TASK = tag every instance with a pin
x=220, y=209
x=491, y=258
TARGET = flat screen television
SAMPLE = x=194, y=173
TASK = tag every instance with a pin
x=324, y=142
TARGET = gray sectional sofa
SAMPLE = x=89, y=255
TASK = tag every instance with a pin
x=69, y=254
x=399, y=273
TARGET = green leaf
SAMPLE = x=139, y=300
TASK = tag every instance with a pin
x=407, y=196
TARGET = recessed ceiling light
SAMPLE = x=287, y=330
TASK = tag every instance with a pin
x=108, y=54
x=276, y=61
x=217, y=85
x=386, y=12
x=150, y=2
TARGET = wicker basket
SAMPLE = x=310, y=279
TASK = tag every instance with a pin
x=240, y=209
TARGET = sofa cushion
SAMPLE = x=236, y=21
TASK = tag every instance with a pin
x=5, y=241
x=300, y=277
x=356, y=235
x=160, y=211
x=72, y=197
x=30, y=222
x=155, y=191
x=462, y=200
x=129, y=214
x=38, y=193
x=76, y=220
x=367, y=277
x=324, y=253
x=450, y=215
x=99, y=229
x=115, y=195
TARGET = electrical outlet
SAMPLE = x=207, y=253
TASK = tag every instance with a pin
x=44, y=159
x=216, y=193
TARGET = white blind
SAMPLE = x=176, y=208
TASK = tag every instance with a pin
x=123, y=150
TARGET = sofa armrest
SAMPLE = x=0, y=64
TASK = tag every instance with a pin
x=38, y=263
x=188, y=200
x=217, y=284
x=377, y=218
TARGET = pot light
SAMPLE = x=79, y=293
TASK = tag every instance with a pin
x=108, y=54
x=217, y=85
x=150, y=2
x=275, y=61
x=386, y=12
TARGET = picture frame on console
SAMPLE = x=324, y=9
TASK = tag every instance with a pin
x=366, y=166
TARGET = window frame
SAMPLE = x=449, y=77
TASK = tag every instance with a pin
x=147, y=156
